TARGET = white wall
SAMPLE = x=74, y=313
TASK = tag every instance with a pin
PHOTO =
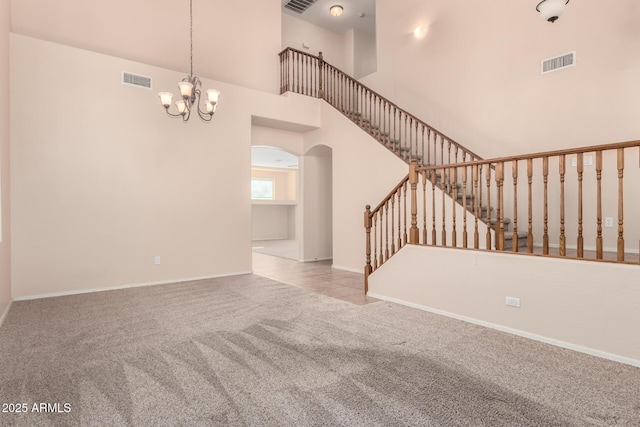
x=5, y=208
x=235, y=42
x=105, y=181
x=588, y=306
x=476, y=75
x=334, y=47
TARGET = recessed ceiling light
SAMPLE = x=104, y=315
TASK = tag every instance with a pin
x=336, y=10
x=420, y=32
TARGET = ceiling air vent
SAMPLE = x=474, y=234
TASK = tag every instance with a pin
x=299, y=6
x=559, y=62
x=136, y=80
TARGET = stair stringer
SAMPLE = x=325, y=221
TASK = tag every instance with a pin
x=564, y=302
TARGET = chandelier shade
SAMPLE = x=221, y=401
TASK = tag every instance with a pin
x=190, y=92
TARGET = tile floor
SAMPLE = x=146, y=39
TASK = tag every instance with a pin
x=316, y=276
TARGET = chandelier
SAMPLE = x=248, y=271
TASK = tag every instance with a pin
x=190, y=92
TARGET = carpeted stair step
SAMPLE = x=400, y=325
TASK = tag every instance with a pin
x=521, y=240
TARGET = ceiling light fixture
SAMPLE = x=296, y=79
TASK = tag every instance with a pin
x=336, y=10
x=190, y=90
x=551, y=9
x=420, y=32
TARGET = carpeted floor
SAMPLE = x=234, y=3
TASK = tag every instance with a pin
x=248, y=350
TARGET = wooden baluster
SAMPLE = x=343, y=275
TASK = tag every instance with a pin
x=370, y=114
x=424, y=207
x=380, y=120
x=298, y=71
x=399, y=218
x=404, y=190
x=428, y=160
x=386, y=230
x=306, y=75
x=414, y=235
x=388, y=129
x=449, y=152
x=404, y=144
x=320, y=76
x=464, y=204
x=453, y=172
x=514, y=237
x=620, y=204
x=563, y=240
x=423, y=153
x=411, y=156
x=530, y=205
x=500, y=206
x=444, y=228
x=545, y=178
x=367, y=266
x=488, y=235
x=580, y=169
x=375, y=241
x=442, y=153
x=393, y=224
x=599, y=251
x=381, y=227
x=433, y=206
x=476, y=208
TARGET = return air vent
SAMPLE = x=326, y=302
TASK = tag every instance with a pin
x=136, y=80
x=299, y=6
x=559, y=62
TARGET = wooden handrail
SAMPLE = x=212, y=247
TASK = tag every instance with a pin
x=351, y=86
x=403, y=181
x=542, y=154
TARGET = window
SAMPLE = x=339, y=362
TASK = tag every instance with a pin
x=262, y=189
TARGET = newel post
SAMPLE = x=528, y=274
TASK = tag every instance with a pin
x=367, y=267
x=320, y=72
x=414, y=233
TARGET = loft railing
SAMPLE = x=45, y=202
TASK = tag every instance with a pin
x=566, y=203
x=401, y=132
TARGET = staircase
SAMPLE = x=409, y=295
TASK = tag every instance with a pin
x=464, y=199
x=400, y=132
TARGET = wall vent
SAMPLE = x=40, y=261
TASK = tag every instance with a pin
x=559, y=62
x=136, y=80
x=299, y=6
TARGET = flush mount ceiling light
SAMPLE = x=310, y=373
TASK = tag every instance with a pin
x=420, y=32
x=551, y=9
x=336, y=10
x=190, y=90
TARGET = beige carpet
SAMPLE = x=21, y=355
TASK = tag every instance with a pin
x=251, y=351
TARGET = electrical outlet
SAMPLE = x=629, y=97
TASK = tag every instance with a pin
x=513, y=302
x=156, y=261
x=608, y=222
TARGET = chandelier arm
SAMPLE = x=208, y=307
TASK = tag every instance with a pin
x=170, y=114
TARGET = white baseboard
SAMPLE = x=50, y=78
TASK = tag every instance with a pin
x=352, y=270
x=133, y=285
x=315, y=259
x=6, y=311
x=547, y=340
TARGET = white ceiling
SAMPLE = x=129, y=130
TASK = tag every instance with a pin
x=272, y=157
x=318, y=14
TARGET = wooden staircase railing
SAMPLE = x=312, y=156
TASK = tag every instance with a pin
x=561, y=212
x=401, y=132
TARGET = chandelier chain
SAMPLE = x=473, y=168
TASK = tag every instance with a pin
x=191, y=35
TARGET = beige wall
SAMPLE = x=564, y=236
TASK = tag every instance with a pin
x=233, y=41
x=318, y=204
x=102, y=186
x=476, y=75
x=5, y=232
x=335, y=47
x=363, y=174
x=591, y=307
x=273, y=221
